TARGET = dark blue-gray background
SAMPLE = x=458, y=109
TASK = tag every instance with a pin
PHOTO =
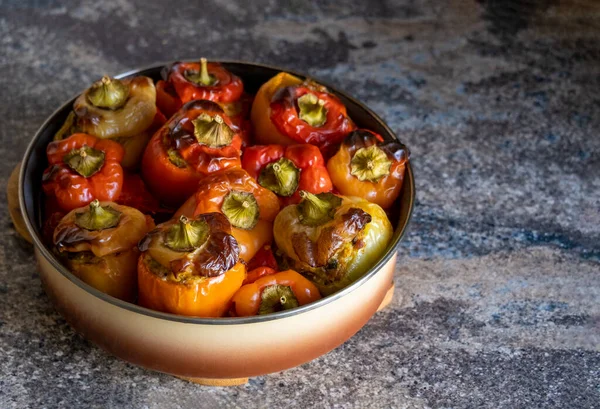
x=498, y=280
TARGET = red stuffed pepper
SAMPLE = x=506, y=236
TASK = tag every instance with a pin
x=83, y=168
x=286, y=170
x=198, y=140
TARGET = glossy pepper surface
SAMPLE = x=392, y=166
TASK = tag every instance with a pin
x=286, y=170
x=299, y=113
x=249, y=207
x=190, y=266
x=333, y=240
x=98, y=243
x=263, y=258
x=367, y=167
x=198, y=140
x=204, y=80
x=113, y=108
x=274, y=292
x=83, y=168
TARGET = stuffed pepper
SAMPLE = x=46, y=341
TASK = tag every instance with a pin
x=332, y=240
x=287, y=111
x=249, y=207
x=274, y=292
x=190, y=266
x=122, y=110
x=200, y=139
x=83, y=168
x=98, y=243
x=264, y=257
x=367, y=167
x=286, y=170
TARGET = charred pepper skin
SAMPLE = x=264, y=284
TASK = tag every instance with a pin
x=382, y=180
x=175, y=160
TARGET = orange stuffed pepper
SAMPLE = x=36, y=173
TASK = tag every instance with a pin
x=98, y=243
x=200, y=139
x=190, y=266
x=274, y=292
x=249, y=207
x=366, y=167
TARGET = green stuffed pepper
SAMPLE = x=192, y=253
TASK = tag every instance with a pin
x=332, y=240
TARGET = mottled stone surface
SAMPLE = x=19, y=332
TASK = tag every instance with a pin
x=498, y=281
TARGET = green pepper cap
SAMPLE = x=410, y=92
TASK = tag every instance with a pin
x=109, y=93
x=202, y=78
x=86, y=160
x=187, y=235
x=212, y=131
x=97, y=217
x=280, y=177
x=370, y=164
x=241, y=209
x=312, y=110
x=315, y=210
x=277, y=298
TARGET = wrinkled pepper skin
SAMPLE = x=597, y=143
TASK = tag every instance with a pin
x=339, y=251
x=383, y=191
x=73, y=190
x=197, y=279
x=173, y=181
x=247, y=300
x=265, y=131
x=314, y=176
x=227, y=89
x=276, y=117
x=105, y=259
x=210, y=195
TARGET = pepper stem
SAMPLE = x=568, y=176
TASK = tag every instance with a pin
x=315, y=210
x=370, y=164
x=86, y=160
x=277, y=297
x=97, y=217
x=312, y=110
x=212, y=130
x=109, y=93
x=186, y=235
x=241, y=209
x=281, y=177
x=203, y=77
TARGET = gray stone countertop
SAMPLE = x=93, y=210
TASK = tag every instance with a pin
x=498, y=280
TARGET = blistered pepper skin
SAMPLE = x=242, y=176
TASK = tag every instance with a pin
x=338, y=252
x=209, y=197
x=175, y=181
x=383, y=191
x=73, y=190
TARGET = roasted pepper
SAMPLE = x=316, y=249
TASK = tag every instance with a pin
x=203, y=80
x=332, y=240
x=135, y=194
x=83, y=168
x=190, y=266
x=123, y=110
x=249, y=207
x=299, y=113
x=274, y=292
x=98, y=243
x=286, y=170
x=367, y=167
x=198, y=140
x=167, y=100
